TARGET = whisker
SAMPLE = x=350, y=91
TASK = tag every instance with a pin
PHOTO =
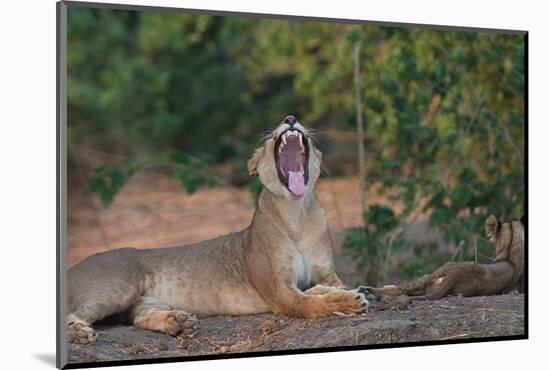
x=313, y=133
x=266, y=135
x=325, y=171
x=314, y=139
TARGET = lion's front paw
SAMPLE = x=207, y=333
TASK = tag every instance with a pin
x=81, y=332
x=350, y=302
x=181, y=323
x=362, y=300
x=366, y=290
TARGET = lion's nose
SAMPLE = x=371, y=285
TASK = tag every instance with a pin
x=290, y=120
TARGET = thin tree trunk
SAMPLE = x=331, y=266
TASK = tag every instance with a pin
x=372, y=253
x=360, y=133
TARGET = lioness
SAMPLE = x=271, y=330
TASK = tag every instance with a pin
x=469, y=278
x=281, y=263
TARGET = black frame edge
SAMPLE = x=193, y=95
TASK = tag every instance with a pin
x=526, y=180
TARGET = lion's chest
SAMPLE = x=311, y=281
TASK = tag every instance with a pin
x=303, y=272
x=305, y=260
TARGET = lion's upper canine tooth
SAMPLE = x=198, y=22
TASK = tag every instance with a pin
x=284, y=139
x=301, y=141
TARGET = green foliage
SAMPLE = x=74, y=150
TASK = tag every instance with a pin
x=190, y=172
x=443, y=110
x=108, y=179
x=446, y=116
x=255, y=187
x=365, y=243
x=381, y=218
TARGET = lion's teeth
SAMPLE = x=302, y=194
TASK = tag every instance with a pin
x=301, y=141
x=284, y=139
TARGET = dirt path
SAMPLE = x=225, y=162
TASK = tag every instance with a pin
x=449, y=318
x=154, y=211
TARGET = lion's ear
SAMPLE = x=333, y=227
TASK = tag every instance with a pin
x=253, y=162
x=492, y=227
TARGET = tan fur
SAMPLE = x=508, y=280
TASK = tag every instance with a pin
x=171, y=322
x=469, y=278
x=268, y=267
x=509, y=241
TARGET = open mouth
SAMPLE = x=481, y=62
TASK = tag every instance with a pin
x=291, y=160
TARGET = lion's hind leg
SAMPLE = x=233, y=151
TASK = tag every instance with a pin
x=439, y=289
x=153, y=314
x=391, y=290
x=94, y=305
x=100, y=286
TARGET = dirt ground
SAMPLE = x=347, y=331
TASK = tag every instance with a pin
x=153, y=211
x=450, y=318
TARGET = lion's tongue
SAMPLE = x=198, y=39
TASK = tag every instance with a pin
x=296, y=183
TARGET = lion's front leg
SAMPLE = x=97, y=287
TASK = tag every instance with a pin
x=281, y=294
x=322, y=263
x=275, y=277
x=324, y=274
x=319, y=301
x=321, y=289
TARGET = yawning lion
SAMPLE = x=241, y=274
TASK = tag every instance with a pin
x=281, y=263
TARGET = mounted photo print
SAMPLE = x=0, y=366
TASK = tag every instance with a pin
x=234, y=184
